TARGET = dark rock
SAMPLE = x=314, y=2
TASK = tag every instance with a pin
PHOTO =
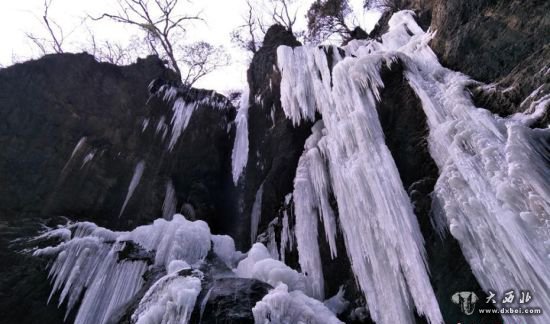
x=132, y=251
x=24, y=286
x=48, y=105
x=230, y=300
x=275, y=145
x=505, y=42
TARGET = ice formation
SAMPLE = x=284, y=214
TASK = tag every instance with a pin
x=170, y=201
x=183, y=108
x=239, y=155
x=138, y=172
x=337, y=303
x=492, y=191
x=492, y=195
x=256, y=214
x=108, y=268
x=170, y=300
x=281, y=307
x=287, y=237
x=259, y=265
x=79, y=145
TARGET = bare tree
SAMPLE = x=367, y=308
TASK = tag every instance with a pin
x=248, y=35
x=383, y=5
x=326, y=18
x=259, y=16
x=201, y=59
x=162, y=23
x=281, y=13
x=56, y=37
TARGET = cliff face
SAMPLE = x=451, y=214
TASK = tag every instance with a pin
x=501, y=42
x=274, y=144
x=74, y=132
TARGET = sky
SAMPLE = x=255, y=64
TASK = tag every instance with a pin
x=19, y=17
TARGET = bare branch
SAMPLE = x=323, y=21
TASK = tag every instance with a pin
x=163, y=23
x=57, y=40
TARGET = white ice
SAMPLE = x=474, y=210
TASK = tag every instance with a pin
x=283, y=307
x=256, y=214
x=138, y=172
x=89, y=262
x=239, y=155
x=170, y=300
x=170, y=201
x=493, y=188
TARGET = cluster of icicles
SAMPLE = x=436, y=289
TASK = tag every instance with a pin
x=108, y=268
x=493, y=196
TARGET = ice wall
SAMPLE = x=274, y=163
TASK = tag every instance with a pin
x=381, y=232
x=493, y=190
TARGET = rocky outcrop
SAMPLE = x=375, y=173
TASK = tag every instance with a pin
x=501, y=42
x=274, y=144
x=74, y=131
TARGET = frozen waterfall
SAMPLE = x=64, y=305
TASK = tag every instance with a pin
x=492, y=194
x=493, y=188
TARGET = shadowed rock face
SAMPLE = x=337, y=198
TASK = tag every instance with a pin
x=494, y=41
x=49, y=105
x=274, y=144
x=230, y=301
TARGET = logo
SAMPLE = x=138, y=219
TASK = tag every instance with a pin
x=466, y=300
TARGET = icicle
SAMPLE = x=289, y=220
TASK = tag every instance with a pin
x=182, y=113
x=320, y=182
x=94, y=263
x=281, y=307
x=144, y=124
x=271, y=239
x=138, y=172
x=170, y=300
x=170, y=201
x=88, y=158
x=493, y=190
x=78, y=146
x=287, y=237
x=306, y=230
x=161, y=125
x=239, y=155
x=256, y=214
x=203, y=304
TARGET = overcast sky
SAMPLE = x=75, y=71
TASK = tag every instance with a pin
x=221, y=17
